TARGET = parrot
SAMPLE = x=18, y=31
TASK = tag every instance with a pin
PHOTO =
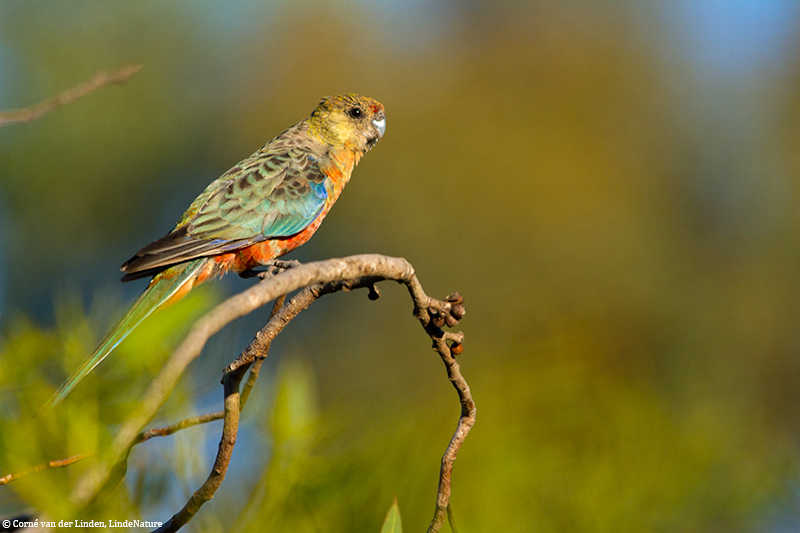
x=264, y=207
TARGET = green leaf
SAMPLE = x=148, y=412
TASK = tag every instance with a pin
x=392, y=523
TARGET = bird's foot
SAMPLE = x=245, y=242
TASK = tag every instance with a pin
x=275, y=266
x=279, y=265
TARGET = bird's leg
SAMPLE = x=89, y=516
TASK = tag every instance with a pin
x=253, y=273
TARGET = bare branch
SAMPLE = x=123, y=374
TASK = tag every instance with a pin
x=465, y=423
x=174, y=428
x=59, y=463
x=27, y=114
x=210, y=417
x=255, y=352
x=230, y=429
x=140, y=438
x=254, y=370
x=240, y=305
x=315, y=280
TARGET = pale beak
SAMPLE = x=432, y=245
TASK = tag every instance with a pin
x=380, y=125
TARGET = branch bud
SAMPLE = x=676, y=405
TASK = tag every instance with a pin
x=455, y=298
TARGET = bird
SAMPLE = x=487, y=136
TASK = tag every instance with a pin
x=264, y=207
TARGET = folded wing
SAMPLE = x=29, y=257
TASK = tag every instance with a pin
x=266, y=196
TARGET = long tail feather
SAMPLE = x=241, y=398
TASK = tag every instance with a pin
x=161, y=290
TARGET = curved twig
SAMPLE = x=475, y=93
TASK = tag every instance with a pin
x=254, y=354
x=315, y=279
x=230, y=429
x=27, y=114
x=209, y=417
x=174, y=428
x=256, y=368
x=465, y=423
x=59, y=463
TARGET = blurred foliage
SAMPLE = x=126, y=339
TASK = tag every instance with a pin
x=86, y=422
x=624, y=231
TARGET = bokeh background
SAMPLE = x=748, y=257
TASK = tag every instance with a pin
x=613, y=186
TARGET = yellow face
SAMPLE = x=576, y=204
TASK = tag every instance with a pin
x=349, y=120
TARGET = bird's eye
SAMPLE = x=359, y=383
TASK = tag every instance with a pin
x=354, y=112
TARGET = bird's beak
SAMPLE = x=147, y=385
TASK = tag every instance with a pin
x=380, y=125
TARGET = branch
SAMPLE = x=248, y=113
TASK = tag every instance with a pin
x=230, y=429
x=210, y=417
x=174, y=428
x=59, y=463
x=254, y=370
x=255, y=353
x=140, y=438
x=315, y=279
x=465, y=421
x=240, y=305
x=27, y=114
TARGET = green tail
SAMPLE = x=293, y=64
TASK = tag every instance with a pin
x=151, y=299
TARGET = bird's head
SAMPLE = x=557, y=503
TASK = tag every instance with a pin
x=349, y=120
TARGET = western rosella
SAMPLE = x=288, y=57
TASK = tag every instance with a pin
x=264, y=207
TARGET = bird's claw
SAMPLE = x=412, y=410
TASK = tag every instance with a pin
x=275, y=266
x=279, y=265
